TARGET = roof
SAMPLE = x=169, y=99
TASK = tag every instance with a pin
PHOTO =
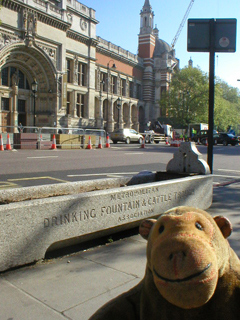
x=161, y=47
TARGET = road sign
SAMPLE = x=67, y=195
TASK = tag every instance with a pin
x=199, y=39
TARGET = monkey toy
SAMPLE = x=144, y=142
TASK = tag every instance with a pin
x=192, y=273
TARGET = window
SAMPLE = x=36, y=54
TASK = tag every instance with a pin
x=104, y=80
x=82, y=68
x=80, y=105
x=21, y=83
x=13, y=76
x=114, y=85
x=123, y=87
x=5, y=104
x=69, y=71
x=139, y=91
x=5, y=77
x=131, y=89
x=21, y=105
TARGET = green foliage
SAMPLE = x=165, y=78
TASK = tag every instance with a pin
x=227, y=106
x=187, y=101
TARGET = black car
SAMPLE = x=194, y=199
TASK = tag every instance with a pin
x=227, y=138
x=202, y=137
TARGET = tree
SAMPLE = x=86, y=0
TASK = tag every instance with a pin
x=187, y=100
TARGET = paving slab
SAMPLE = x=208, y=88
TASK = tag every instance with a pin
x=67, y=282
x=89, y=307
x=17, y=304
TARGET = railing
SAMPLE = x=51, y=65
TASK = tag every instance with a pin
x=26, y=137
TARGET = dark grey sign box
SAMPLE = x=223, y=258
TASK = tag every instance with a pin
x=224, y=35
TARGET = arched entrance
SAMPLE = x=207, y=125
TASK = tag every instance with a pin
x=20, y=66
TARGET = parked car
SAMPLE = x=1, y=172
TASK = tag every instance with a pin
x=227, y=138
x=202, y=136
x=126, y=135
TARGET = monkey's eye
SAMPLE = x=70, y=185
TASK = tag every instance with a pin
x=161, y=229
x=198, y=226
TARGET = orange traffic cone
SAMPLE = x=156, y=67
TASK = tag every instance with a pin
x=54, y=145
x=1, y=143
x=89, y=146
x=108, y=142
x=167, y=142
x=100, y=143
x=143, y=143
x=8, y=145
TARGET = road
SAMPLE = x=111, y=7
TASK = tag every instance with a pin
x=21, y=168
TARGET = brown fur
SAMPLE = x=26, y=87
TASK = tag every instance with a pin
x=191, y=274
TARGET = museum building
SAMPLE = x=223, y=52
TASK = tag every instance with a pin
x=56, y=72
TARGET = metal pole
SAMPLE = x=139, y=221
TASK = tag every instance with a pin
x=211, y=95
x=34, y=98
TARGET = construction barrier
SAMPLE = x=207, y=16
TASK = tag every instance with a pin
x=89, y=146
x=143, y=143
x=175, y=143
x=100, y=143
x=8, y=145
x=54, y=145
x=1, y=143
x=108, y=142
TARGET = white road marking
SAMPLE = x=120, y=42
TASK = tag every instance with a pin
x=224, y=176
x=229, y=170
x=133, y=153
x=101, y=174
x=42, y=157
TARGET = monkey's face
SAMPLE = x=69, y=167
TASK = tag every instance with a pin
x=183, y=259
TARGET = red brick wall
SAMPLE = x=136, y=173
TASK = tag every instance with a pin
x=120, y=66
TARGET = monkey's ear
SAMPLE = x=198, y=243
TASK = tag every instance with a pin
x=224, y=225
x=145, y=227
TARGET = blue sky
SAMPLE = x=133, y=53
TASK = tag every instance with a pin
x=119, y=22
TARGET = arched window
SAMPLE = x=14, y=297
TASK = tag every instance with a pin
x=12, y=75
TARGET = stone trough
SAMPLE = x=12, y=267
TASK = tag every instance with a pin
x=36, y=219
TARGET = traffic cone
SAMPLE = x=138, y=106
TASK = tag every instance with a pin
x=54, y=145
x=8, y=145
x=167, y=142
x=1, y=143
x=100, y=143
x=89, y=146
x=143, y=143
x=108, y=142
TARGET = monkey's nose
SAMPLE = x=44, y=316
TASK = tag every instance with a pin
x=179, y=255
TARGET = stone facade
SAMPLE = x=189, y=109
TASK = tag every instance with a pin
x=83, y=80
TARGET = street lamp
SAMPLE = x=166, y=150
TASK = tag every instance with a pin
x=118, y=107
x=108, y=68
x=34, y=90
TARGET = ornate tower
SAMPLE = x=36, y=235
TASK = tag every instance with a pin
x=146, y=42
x=146, y=46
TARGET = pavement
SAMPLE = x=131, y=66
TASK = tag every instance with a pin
x=75, y=286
